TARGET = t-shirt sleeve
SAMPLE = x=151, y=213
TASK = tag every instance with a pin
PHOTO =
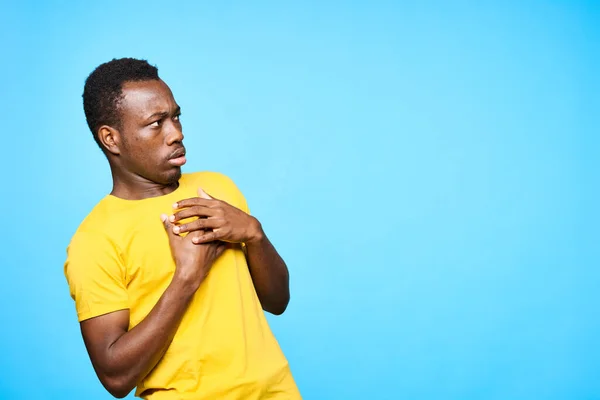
x=234, y=196
x=243, y=204
x=230, y=191
x=96, y=275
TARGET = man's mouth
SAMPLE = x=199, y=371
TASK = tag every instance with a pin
x=178, y=157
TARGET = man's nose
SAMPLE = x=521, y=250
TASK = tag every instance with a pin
x=175, y=134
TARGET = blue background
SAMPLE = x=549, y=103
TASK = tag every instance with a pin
x=429, y=170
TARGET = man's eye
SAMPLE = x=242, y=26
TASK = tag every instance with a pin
x=176, y=118
x=155, y=124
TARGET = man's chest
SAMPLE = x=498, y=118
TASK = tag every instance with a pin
x=147, y=259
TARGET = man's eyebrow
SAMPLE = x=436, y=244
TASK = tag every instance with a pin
x=163, y=114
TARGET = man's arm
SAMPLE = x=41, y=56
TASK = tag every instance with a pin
x=227, y=223
x=122, y=358
x=269, y=273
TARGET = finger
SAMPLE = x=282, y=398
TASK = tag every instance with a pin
x=194, y=235
x=203, y=195
x=195, y=211
x=207, y=237
x=167, y=224
x=199, y=224
x=195, y=201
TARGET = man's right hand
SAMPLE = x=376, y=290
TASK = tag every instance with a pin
x=122, y=357
x=192, y=261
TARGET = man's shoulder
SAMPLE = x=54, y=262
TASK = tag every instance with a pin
x=217, y=182
x=209, y=177
x=217, y=185
x=98, y=221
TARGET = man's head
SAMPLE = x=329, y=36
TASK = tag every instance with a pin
x=135, y=120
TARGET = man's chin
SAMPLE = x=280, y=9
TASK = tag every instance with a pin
x=174, y=176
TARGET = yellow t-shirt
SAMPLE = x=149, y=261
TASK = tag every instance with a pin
x=119, y=258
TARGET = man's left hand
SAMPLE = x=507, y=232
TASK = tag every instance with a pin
x=218, y=219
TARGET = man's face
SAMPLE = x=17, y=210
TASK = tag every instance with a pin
x=152, y=140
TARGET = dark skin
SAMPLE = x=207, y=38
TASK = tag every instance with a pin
x=220, y=221
x=144, y=156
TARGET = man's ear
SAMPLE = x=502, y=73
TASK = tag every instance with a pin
x=110, y=139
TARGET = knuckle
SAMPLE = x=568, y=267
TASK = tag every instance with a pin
x=183, y=214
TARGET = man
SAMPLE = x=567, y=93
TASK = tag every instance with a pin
x=169, y=272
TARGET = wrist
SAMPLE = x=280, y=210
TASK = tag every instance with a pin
x=185, y=285
x=256, y=233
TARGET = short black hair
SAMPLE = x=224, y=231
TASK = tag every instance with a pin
x=103, y=90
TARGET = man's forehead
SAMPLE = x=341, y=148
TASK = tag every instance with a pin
x=145, y=96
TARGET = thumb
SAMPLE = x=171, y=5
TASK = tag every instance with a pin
x=203, y=195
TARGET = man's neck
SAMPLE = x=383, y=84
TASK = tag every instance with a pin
x=135, y=187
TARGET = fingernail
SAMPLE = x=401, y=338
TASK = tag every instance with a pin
x=163, y=217
x=175, y=205
x=172, y=218
x=176, y=229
